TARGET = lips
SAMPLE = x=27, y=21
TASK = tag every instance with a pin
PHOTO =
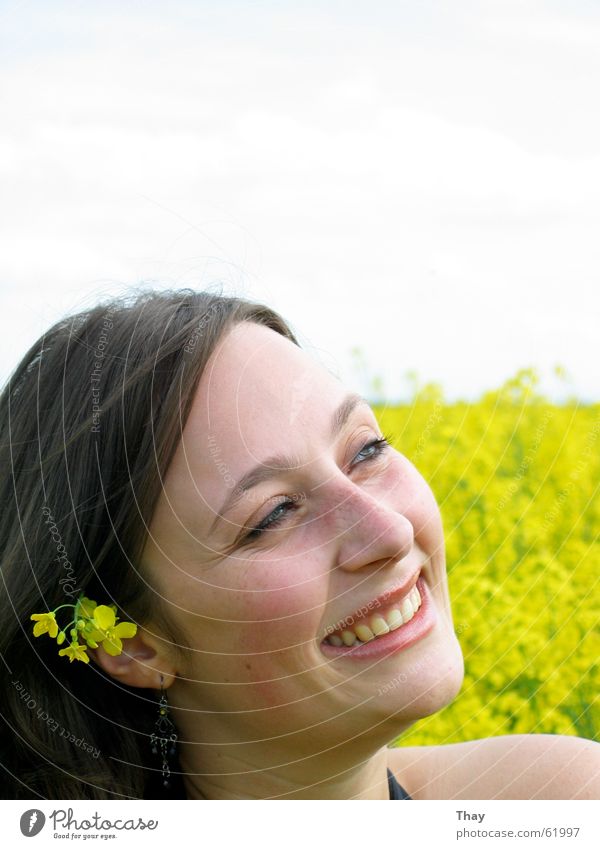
x=381, y=623
x=404, y=636
x=389, y=611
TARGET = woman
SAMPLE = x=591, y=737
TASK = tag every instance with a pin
x=180, y=457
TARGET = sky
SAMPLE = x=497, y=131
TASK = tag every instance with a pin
x=419, y=181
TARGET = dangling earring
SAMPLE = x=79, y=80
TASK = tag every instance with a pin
x=164, y=736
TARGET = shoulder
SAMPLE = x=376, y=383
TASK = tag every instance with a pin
x=516, y=766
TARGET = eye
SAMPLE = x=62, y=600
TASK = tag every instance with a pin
x=373, y=450
x=376, y=446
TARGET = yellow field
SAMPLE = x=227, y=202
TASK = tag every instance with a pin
x=517, y=480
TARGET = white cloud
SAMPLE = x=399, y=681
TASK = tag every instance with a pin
x=425, y=186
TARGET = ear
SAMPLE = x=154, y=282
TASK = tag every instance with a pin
x=141, y=663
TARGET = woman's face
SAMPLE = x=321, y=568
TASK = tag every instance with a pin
x=356, y=526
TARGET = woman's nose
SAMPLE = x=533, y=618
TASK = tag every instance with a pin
x=366, y=529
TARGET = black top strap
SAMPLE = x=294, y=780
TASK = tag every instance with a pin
x=397, y=791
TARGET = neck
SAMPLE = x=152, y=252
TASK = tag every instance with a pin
x=241, y=755
x=261, y=771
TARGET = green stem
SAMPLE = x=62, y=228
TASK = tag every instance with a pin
x=66, y=628
x=60, y=607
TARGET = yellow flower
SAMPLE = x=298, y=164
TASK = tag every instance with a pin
x=111, y=634
x=86, y=607
x=92, y=622
x=75, y=652
x=513, y=474
x=44, y=623
x=91, y=634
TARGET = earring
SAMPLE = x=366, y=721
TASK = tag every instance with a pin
x=164, y=737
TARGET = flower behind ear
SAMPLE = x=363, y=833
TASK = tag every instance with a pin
x=105, y=619
x=75, y=652
x=86, y=607
x=92, y=622
x=44, y=623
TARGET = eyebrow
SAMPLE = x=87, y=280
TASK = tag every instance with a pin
x=278, y=463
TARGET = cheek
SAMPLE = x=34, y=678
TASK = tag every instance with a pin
x=427, y=522
x=417, y=502
x=282, y=602
x=284, y=605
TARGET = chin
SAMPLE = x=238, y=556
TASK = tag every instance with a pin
x=427, y=685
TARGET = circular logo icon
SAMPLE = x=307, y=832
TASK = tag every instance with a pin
x=32, y=822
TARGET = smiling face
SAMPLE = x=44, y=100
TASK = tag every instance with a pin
x=352, y=527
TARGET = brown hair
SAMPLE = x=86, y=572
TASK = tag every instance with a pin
x=89, y=422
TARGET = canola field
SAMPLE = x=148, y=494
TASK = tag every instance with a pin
x=517, y=480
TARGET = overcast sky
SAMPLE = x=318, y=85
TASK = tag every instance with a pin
x=419, y=179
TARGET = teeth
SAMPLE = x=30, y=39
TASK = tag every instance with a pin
x=394, y=619
x=380, y=624
x=364, y=633
x=407, y=610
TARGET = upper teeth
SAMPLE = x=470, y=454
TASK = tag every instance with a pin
x=380, y=623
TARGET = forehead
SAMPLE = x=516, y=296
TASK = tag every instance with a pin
x=255, y=378
x=259, y=394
